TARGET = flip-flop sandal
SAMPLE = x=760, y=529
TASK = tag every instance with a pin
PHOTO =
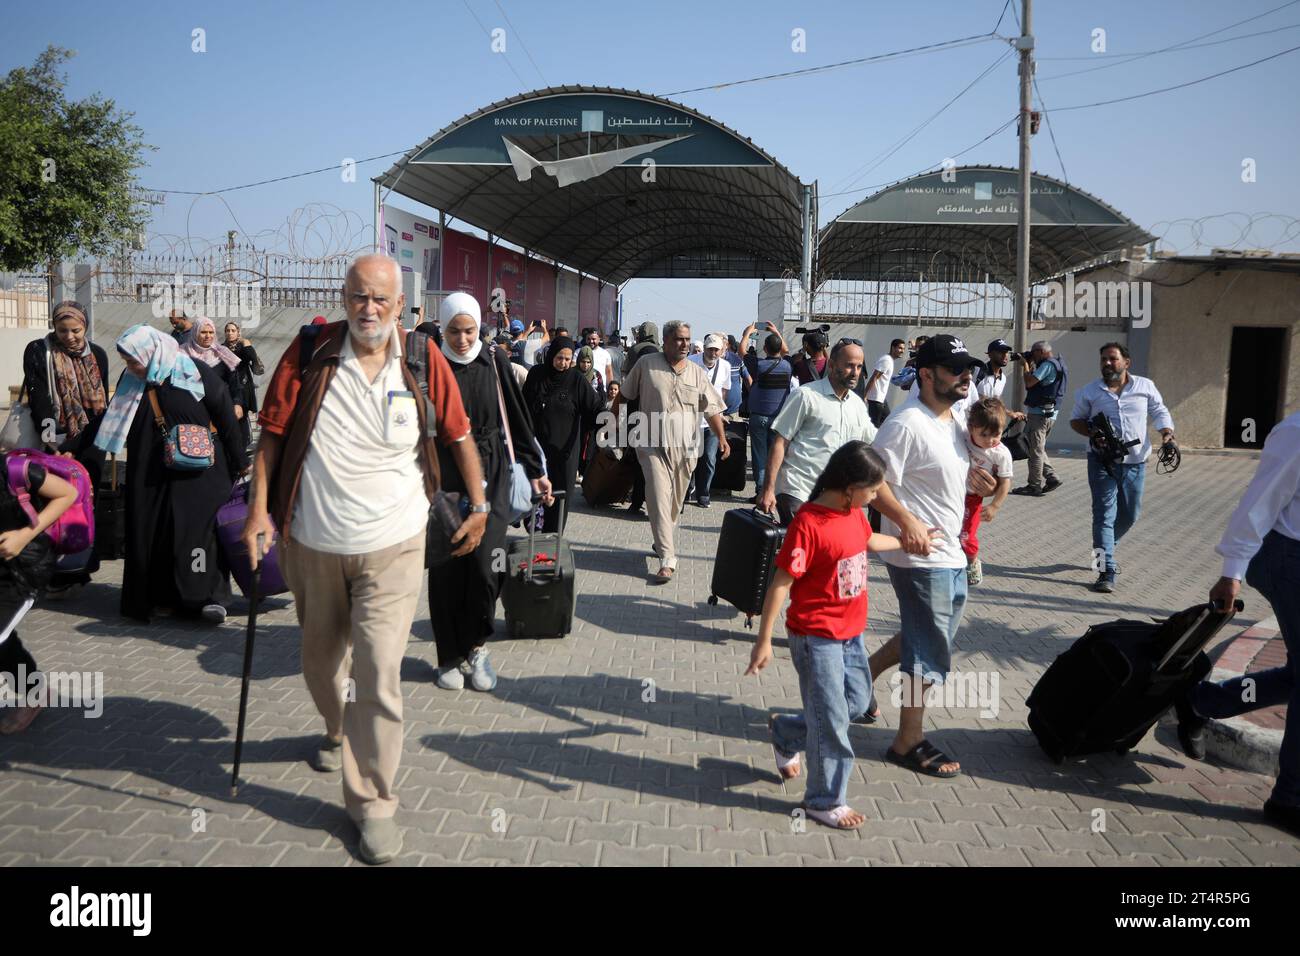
x=832, y=818
x=664, y=575
x=868, y=718
x=924, y=758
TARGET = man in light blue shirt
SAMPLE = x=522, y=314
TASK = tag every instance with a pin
x=1128, y=402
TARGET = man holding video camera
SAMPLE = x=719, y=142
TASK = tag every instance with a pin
x=810, y=364
x=1112, y=412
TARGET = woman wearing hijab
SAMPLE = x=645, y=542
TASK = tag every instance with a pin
x=66, y=379
x=587, y=368
x=249, y=365
x=200, y=344
x=463, y=591
x=172, y=561
x=560, y=401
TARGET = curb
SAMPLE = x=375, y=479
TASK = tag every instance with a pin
x=1234, y=740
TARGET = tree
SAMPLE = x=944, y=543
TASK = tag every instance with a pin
x=66, y=169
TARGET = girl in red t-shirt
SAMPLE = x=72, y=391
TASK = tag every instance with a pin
x=822, y=568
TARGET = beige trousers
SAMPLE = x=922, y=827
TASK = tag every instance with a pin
x=356, y=611
x=667, y=476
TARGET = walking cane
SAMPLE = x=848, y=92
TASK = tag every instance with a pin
x=248, y=664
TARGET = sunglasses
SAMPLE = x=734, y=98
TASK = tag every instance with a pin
x=848, y=341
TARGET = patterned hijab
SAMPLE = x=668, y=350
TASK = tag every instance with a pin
x=76, y=384
x=164, y=362
x=214, y=353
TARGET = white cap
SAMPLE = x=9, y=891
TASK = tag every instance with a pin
x=715, y=341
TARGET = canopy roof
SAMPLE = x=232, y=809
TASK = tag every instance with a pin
x=967, y=227
x=614, y=183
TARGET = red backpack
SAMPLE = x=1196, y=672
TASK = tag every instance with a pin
x=74, y=532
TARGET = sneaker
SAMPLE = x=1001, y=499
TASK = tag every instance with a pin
x=1105, y=583
x=381, y=839
x=65, y=593
x=214, y=613
x=481, y=674
x=974, y=572
x=703, y=502
x=450, y=678
x=1028, y=490
x=329, y=756
x=1051, y=485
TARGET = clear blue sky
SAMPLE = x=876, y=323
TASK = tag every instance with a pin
x=286, y=87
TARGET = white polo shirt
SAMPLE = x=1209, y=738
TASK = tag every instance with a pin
x=816, y=422
x=359, y=493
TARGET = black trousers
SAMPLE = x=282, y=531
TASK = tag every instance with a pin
x=638, y=481
x=877, y=412
x=463, y=595
x=786, y=506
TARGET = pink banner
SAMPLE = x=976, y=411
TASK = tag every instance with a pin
x=588, y=304
x=609, y=310
x=540, y=301
x=508, y=275
x=464, y=265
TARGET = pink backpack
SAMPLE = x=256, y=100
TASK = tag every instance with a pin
x=74, y=532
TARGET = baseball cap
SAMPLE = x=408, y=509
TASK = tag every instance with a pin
x=714, y=341
x=946, y=350
x=999, y=345
x=516, y=326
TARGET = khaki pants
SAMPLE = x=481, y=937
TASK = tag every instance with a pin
x=667, y=475
x=1037, y=428
x=356, y=611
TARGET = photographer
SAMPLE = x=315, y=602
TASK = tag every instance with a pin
x=1045, y=381
x=810, y=364
x=1116, y=475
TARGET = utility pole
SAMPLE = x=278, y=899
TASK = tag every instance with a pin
x=1025, y=44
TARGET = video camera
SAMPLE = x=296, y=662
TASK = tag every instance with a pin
x=823, y=339
x=1107, y=444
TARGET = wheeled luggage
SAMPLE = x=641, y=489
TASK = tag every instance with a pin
x=230, y=526
x=729, y=472
x=110, y=513
x=539, y=593
x=608, y=480
x=746, y=560
x=1113, y=684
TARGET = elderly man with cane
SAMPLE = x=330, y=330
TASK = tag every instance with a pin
x=347, y=467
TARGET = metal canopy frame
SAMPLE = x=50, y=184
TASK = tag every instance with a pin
x=694, y=221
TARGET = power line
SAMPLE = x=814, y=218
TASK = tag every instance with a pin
x=929, y=48
x=1179, y=86
x=520, y=37
x=488, y=33
x=1001, y=15
x=277, y=179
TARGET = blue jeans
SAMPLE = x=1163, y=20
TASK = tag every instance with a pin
x=702, y=480
x=930, y=605
x=760, y=435
x=835, y=684
x=1115, y=504
x=1275, y=573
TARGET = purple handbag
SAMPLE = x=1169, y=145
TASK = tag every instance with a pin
x=230, y=525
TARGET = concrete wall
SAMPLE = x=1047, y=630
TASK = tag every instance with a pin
x=1190, y=339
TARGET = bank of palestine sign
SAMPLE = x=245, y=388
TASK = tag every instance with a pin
x=577, y=137
x=981, y=196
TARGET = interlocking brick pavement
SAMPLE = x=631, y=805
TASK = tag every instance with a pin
x=637, y=740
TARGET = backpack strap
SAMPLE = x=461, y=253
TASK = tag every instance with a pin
x=308, y=336
x=20, y=485
x=157, y=411
x=415, y=351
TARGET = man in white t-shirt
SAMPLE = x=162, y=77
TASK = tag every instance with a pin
x=718, y=371
x=878, y=382
x=927, y=464
x=600, y=359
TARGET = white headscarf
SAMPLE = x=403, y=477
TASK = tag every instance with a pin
x=459, y=303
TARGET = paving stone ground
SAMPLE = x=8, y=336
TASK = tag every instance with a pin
x=636, y=740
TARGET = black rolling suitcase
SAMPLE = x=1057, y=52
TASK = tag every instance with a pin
x=539, y=593
x=110, y=515
x=1114, y=683
x=746, y=561
x=729, y=474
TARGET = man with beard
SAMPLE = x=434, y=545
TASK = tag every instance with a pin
x=815, y=421
x=927, y=468
x=672, y=393
x=1128, y=402
x=180, y=323
x=1045, y=380
x=347, y=466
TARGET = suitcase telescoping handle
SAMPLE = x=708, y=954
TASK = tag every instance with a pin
x=532, y=532
x=1215, y=607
